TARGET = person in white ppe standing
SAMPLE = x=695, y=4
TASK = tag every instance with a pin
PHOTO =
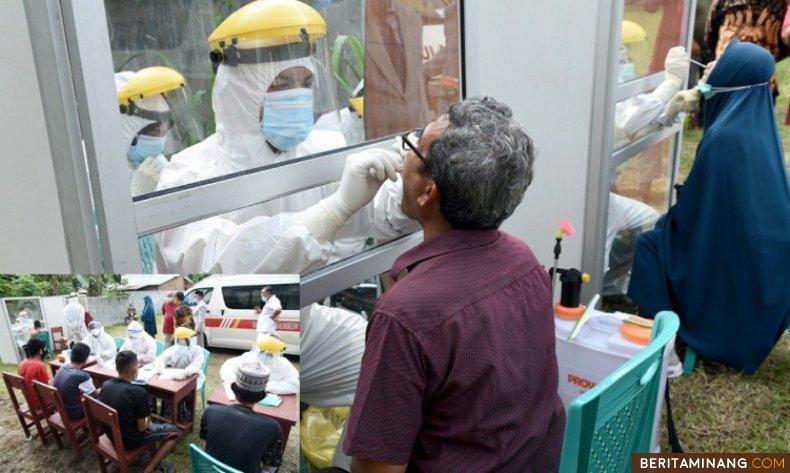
x=199, y=314
x=266, y=351
x=139, y=342
x=154, y=117
x=101, y=344
x=184, y=357
x=76, y=331
x=267, y=91
x=272, y=308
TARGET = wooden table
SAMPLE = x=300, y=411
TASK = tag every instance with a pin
x=55, y=365
x=170, y=390
x=286, y=414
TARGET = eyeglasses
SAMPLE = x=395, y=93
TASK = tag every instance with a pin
x=409, y=146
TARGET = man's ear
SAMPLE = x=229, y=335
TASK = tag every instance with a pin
x=430, y=194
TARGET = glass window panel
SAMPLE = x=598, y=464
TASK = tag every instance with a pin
x=634, y=118
x=22, y=314
x=639, y=194
x=267, y=237
x=650, y=28
x=366, y=81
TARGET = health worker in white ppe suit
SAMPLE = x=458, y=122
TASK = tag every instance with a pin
x=76, y=330
x=155, y=119
x=139, y=342
x=271, y=83
x=184, y=358
x=627, y=217
x=266, y=351
x=102, y=345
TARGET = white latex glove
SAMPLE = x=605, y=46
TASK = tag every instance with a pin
x=363, y=175
x=179, y=375
x=146, y=176
x=676, y=67
x=684, y=101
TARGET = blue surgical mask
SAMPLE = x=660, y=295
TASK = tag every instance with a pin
x=709, y=91
x=145, y=147
x=287, y=117
x=625, y=72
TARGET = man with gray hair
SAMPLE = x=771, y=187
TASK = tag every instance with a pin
x=459, y=371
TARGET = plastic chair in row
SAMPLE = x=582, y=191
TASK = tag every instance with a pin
x=202, y=462
x=118, y=342
x=160, y=347
x=614, y=419
x=204, y=368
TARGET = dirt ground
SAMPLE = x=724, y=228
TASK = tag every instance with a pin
x=17, y=455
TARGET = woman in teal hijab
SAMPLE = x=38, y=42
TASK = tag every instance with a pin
x=720, y=257
x=148, y=316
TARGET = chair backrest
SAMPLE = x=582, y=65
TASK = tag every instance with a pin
x=12, y=384
x=160, y=347
x=119, y=342
x=50, y=401
x=202, y=462
x=98, y=413
x=58, y=339
x=615, y=418
x=206, y=356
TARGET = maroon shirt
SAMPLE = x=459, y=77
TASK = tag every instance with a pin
x=459, y=371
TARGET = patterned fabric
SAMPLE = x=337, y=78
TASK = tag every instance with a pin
x=756, y=21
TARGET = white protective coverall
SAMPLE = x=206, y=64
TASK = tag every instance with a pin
x=271, y=236
x=144, y=346
x=283, y=376
x=102, y=347
x=146, y=175
x=74, y=313
x=190, y=362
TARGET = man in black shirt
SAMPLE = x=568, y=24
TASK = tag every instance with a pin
x=238, y=436
x=71, y=382
x=131, y=402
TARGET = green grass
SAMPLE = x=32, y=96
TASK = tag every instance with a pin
x=717, y=409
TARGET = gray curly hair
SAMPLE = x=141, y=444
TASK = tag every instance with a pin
x=482, y=164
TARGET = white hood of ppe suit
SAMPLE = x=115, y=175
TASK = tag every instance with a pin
x=238, y=143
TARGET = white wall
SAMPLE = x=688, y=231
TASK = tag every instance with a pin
x=32, y=239
x=538, y=57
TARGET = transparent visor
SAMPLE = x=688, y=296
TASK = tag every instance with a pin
x=171, y=115
x=302, y=74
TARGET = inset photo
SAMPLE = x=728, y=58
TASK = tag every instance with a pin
x=174, y=372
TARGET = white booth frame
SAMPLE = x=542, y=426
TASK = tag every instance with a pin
x=603, y=156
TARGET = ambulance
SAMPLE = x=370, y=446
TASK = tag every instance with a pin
x=232, y=299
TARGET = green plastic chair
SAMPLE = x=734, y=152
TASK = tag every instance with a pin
x=160, y=347
x=615, y=418
x=202, y=462
x=119, y=342
x=206, y=356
